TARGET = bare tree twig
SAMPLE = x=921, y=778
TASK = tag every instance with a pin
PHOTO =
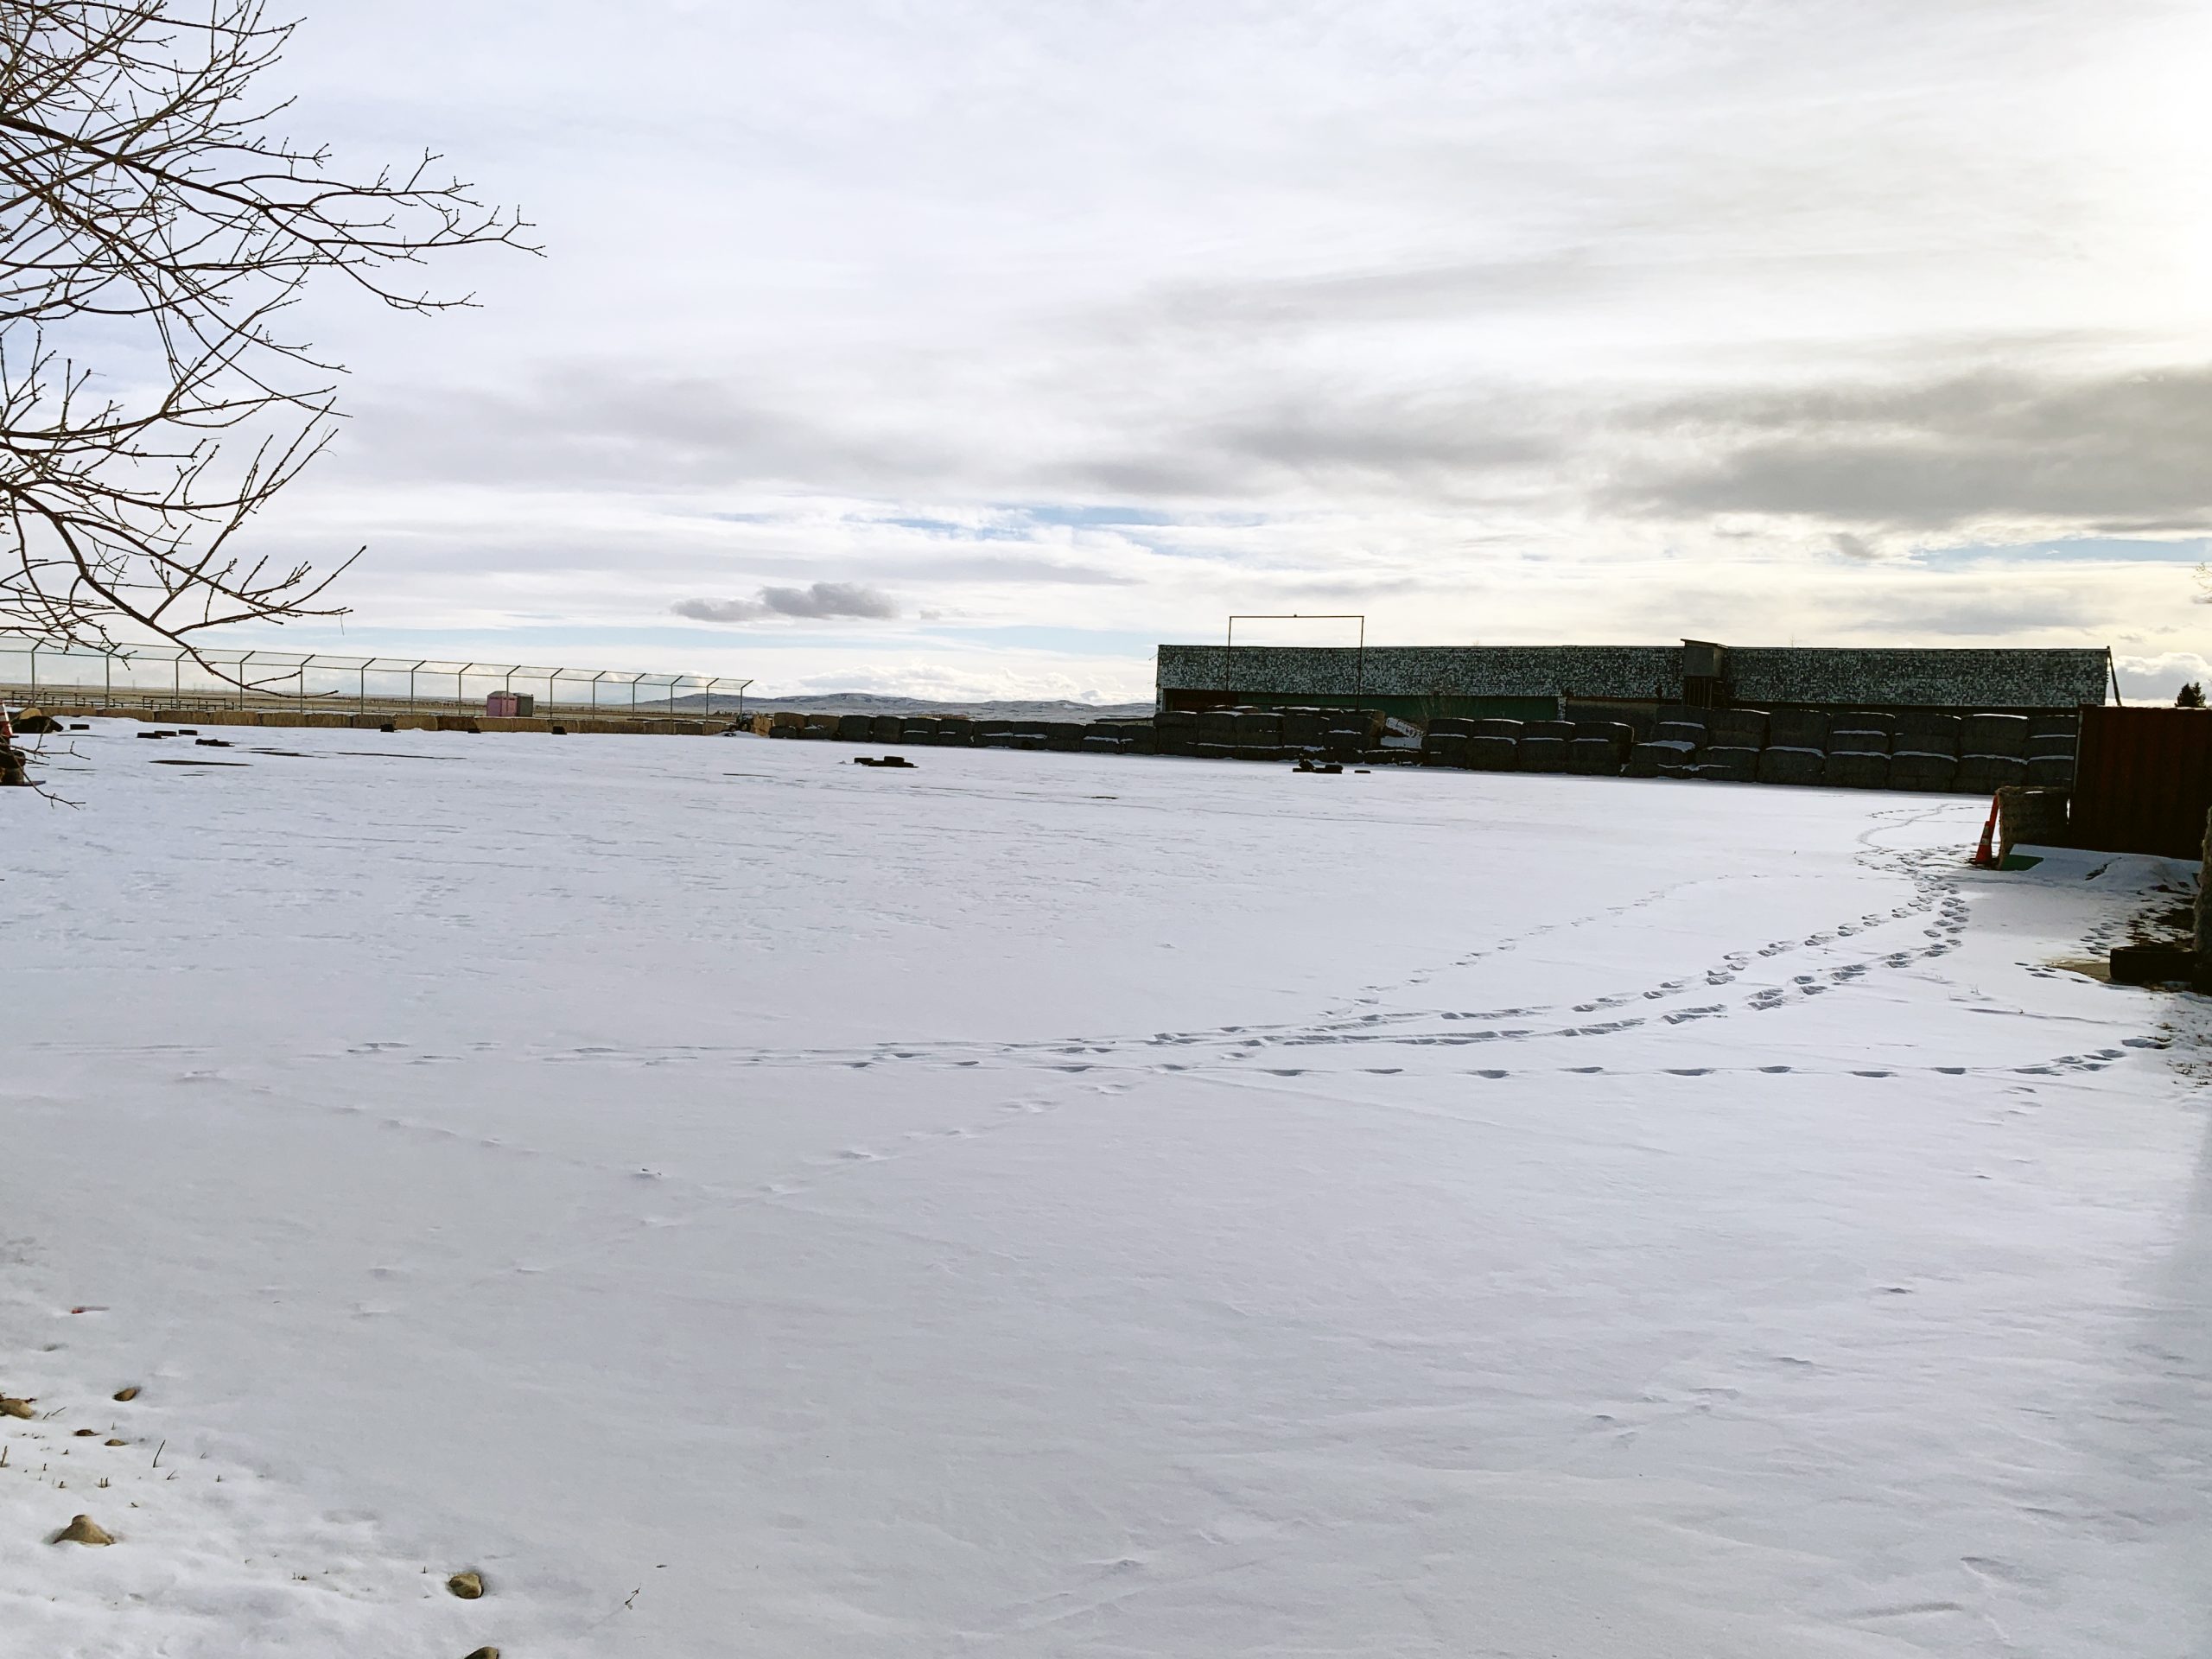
x=154, y=226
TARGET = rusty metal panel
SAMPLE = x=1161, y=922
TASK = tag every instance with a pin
x=2143, y=781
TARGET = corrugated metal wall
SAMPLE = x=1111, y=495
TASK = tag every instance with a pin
x=2143, y=781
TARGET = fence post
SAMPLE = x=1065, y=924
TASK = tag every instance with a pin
x=2204, y=940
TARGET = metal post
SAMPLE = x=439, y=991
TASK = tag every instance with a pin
x=33, y=676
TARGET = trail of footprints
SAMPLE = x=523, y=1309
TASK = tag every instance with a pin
x=1935, y=897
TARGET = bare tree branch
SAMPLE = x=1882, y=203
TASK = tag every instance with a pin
x=153, y=228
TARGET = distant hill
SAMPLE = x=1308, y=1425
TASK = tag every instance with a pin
x=863, y=702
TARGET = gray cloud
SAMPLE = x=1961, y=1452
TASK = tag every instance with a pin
x=822, y=601
x=2100, y=452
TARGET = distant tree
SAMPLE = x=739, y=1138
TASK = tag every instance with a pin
x=154, y=227
x=2190, y=697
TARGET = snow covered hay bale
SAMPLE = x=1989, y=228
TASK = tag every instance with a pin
x=1737, y=728
x=1856, y=769
x=2053, y=746
x=1594, y=757
x=1731, y=763
x=1928, y=733
x=1858, y=739
x=1791, y=765
x=1798, y=728
x=1489, y=751
x=1984, y=774
x=1914, y=769
x=1543, y=753
x=1651, y=759
x=2001, y=735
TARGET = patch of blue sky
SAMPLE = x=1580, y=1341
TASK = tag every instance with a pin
x=2105, y=549
x=1094, y=517
x=956, y=530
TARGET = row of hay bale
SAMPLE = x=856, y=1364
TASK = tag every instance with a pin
x=1220, y=733
x=1277, y=735
x=1973, y=753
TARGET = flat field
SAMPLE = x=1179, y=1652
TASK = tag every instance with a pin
x=741, y=1203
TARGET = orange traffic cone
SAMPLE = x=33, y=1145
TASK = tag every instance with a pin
x=1984, y=858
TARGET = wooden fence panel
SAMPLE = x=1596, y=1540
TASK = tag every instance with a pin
x=2143, y=781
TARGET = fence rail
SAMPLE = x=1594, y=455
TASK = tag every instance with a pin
x=165, y=677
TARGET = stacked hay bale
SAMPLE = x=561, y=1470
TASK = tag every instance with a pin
x=1600, y=748
x=1796, y=749
x=1351, y=733
x=1993, y=751
x=1306, y=733
x=1495, y=744
x=1859, y=751
x=1444, y=742
x=1925, y=750
x=2051, y=742
x=1216, y=738
x=1259, y=734
x=1925, y=753
x=1543, y=744
x=1733, y=738
x=1677, y=740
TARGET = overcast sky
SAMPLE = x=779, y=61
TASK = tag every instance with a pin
x=971, y=348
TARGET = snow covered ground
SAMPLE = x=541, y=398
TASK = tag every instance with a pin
x=747, y=1203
